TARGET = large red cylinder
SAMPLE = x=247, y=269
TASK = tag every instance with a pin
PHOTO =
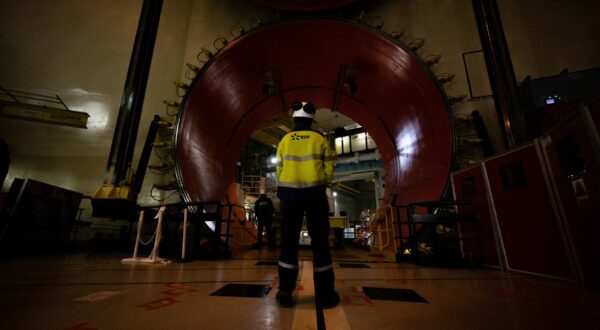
x=397, y=101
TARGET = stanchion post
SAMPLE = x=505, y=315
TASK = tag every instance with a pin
x=158, y=237
x=138, y=235
x=185, y=219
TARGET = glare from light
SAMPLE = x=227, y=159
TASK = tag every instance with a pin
x=99, y=114
x=407, y=146
x=273, y=160
x=334, y=193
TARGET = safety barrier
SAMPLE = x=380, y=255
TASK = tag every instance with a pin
x=382, y=224
x=208, y=212
x=153, y=258
x=249, y=216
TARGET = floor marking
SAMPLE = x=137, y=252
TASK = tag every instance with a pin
x=177, y=289
x=304, y=307
x=98, y=296
x=160, y=303
x=336, y=319
x=355, y=296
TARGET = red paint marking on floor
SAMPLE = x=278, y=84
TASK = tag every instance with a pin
x=160, y=303
x=357, y=289
x=177, y=289
x=356, y=300
x=356, y=297
x=81, y=326
x=98, y=296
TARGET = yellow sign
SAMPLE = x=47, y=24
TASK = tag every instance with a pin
x=44, y=114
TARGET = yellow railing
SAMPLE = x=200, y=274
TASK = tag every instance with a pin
x=382, y=223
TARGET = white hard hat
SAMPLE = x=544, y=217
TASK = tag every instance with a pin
x=303, y=109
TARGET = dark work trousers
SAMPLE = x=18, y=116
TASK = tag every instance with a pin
x=318, y=228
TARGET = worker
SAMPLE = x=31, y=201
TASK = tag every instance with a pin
x=263, y=209
x=304, y=169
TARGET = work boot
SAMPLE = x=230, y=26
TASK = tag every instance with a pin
x=328, y=300
x=284, y=299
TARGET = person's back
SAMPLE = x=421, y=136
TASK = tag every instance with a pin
x=304, y=167
x=303, y=154
x=263, y=207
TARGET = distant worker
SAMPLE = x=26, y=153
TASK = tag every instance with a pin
x=263, y=209
x=304, y=168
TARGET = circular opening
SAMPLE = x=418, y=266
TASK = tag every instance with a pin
x=392, y=96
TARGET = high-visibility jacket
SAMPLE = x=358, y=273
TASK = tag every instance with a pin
x=304, y=161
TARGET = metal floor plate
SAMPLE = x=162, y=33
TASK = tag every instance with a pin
x=243, y=290
x=406, y=295
x=353, y=265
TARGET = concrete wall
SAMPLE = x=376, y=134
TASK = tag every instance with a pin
x=546, y=37
x=80, y=50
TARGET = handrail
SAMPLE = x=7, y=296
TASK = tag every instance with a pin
x=405, y=242
x=392, y=223
x=432, y=217
x=246, y=210
x=212, y=210
x=387, y=236
x=379, y=227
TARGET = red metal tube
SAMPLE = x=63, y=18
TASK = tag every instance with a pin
x=397, y=101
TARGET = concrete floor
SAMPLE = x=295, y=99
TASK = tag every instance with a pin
x=93, y=291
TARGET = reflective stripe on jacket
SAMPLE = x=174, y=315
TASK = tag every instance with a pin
x=304, y=160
